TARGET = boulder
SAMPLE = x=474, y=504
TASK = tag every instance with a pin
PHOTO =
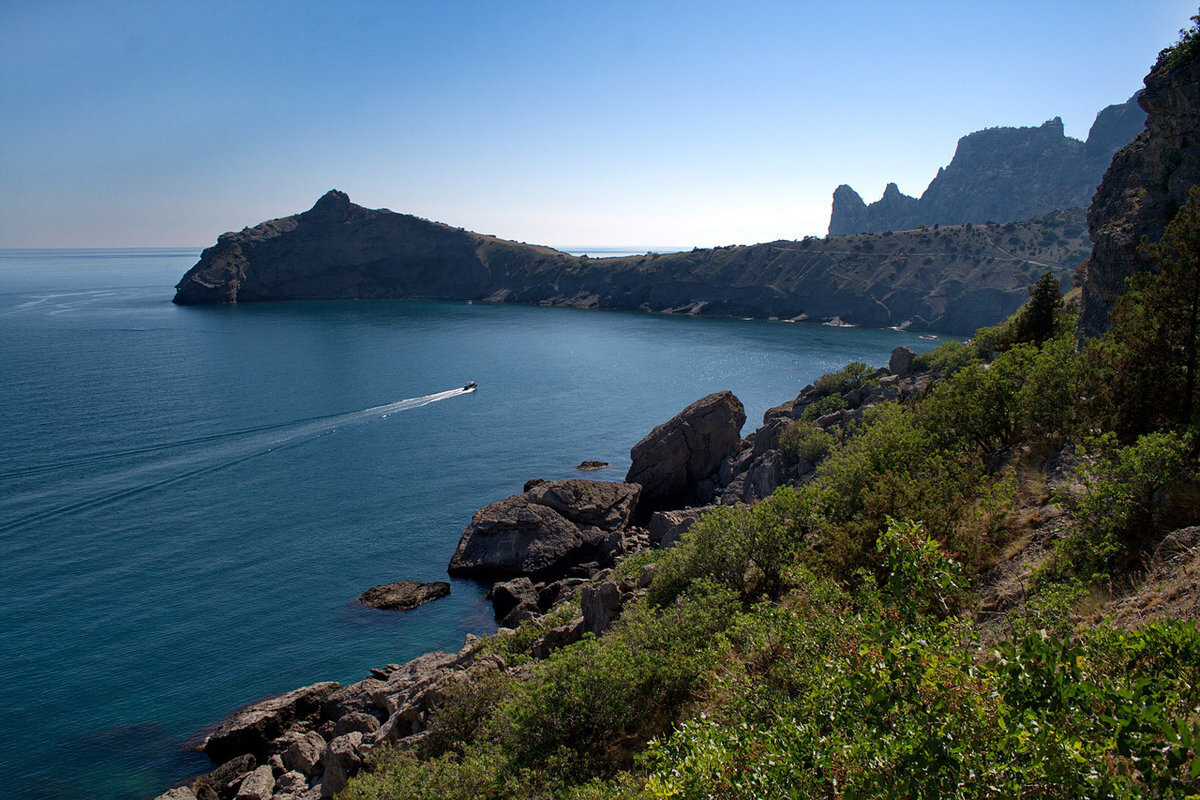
x=258, y=785
x=547, y=530
x=558, y=637
x=901, y=361
x=249, y=730
x=511, y=595
x=356, y=721
x=601, y=606
x=354, y=697
x=403, y=595
x=291, y=783
x=342, y=760
x=303, y=752
x=590, y=465
x=666, y=527
x=677, y=462
x=178, y=793
x=223, y=780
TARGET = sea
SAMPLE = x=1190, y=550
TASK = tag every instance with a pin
x=192, y=498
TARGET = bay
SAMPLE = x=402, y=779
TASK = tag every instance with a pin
x=191, y=499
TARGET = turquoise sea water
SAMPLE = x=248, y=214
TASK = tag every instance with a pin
x=192, y=498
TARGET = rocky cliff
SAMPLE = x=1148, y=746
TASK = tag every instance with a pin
x=953, y=279
x=1000, y=175
x=1145, y=185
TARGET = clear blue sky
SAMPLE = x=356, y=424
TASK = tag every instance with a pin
x=559, y=122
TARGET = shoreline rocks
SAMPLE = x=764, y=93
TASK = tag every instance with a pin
x=543, y=532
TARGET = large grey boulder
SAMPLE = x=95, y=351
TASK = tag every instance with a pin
x=677, y=462
x=252, y=728
x=901, y=360
x=547, y=530
x=601, y=606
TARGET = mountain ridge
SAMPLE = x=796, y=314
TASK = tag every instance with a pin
x=999, y=174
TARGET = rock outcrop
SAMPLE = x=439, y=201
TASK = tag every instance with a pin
x=251, y=729
x=955, y=283
x=676, y=464
x=547, y=530
x=1145, y=185
x=403, y=595
x=999, y=175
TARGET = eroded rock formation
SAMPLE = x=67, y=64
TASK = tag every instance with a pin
x=999, y=175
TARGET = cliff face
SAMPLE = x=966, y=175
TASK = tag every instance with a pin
x=1145, y=185
x=951, y=280
x=999, y=174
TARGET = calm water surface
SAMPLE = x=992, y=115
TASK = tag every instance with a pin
x=192, y=498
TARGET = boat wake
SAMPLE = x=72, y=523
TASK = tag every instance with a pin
x=117, y=475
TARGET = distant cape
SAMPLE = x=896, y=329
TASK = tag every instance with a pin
x=1000, y=175
x=951, y=280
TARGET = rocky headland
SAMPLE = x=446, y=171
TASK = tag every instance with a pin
x=999, y=175
x=951, y=280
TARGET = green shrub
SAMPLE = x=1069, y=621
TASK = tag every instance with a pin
x=1116, y=511
x=803, y=441
x=822, y=406
x=851, y=376
x=947, y=359
x=747, y=549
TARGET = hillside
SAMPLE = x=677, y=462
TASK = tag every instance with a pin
x=1000, y=174
x=948, y=279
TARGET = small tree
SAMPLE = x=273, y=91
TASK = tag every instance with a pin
x=1037, y=320
x=1145, y=368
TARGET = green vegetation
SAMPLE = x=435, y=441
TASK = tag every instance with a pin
x=824, y=642
x=1184, y=51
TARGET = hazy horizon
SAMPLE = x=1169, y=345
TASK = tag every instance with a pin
x=147, y=125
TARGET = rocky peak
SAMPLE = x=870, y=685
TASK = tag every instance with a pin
x=332, y=204
x=999, y=174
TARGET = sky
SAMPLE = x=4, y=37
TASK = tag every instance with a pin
x=621, y=124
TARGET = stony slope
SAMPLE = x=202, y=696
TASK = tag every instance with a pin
x=999, y=174
x=951, y=279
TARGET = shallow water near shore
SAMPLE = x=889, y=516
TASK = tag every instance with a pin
x=191, y=499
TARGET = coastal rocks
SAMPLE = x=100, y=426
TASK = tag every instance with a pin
x=178, y=793
x=667, y=527
x=548, y=529
x=341, y=761
x=251, y=729
x=1147, y=182
x=592, y=465
x=901, y=361
x=601, y=605
x=677, y=462
x=303, y=751
x=403, y=595
x=514, y=601
x=258, y=785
